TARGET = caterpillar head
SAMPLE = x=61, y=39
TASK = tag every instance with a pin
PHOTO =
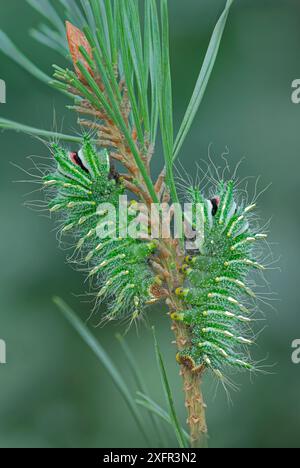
x=78, y=158
x=86, y=157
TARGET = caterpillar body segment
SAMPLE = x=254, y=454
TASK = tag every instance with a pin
x=217, y=297
x=118, y=267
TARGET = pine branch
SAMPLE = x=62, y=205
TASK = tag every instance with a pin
x=122, y=90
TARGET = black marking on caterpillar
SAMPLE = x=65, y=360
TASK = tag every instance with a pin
x=113, y=173
x=215, y=205
x=76, y=159
x=217, y=285
x=118, y=267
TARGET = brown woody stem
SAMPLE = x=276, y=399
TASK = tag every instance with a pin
x=192, y=376
x=194, y=402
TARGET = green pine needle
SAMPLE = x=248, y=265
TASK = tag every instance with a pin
x=139, y=380
x=152, y=406
x=9, y=49
x=203, y=80
x=104, y=358
x=168, y=394
x=55, y=136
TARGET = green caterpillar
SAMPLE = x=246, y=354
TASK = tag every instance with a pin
x=217, y=284
x=119, y=267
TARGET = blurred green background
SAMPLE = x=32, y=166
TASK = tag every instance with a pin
x=53, y=392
